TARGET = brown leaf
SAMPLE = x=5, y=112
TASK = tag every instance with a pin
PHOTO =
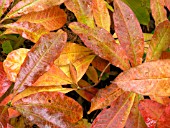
x=39, y=59
x=4, y=4
x=151, y=112
x=158, y=11
x=50, y=109
x=82, y=9
x=165, y=55
x=92, y=74
x=135, y=120
x=117, y=115
x=27, y=6
x=30, y=31
x=101, y=14
x=102, y=43
x=160, y=41
x=4, y=81
x=13, y=62
x=52, y=18
x=105, y=97
x=4, y=117
x=129, y=32
x=150, y=78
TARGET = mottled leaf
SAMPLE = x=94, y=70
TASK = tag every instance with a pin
x=13, y=62
x=54, y=76
x=141, y=9
x=129, y=32
x=35, y=89
x=39, y=59
x=102, y=43
x=105, y=97
x=150, y=78
x=87, y=94
x=101, y=14
x=160, y=41
x=4, y=81
x=50, y=109
x=167, y=4
x=117, y=115
x=158, y=11
x=73, y=73
x=27, y=6
x=52, y=18
x=135, y=120
x=92, y=74
x=4, y=117
x=151, y=112
x=30, y=31
x=4, y=4
x=82, y=9
x=100, y=64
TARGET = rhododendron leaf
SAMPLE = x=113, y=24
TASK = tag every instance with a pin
x=40, y=58
x=35, y=89
x=135, y=120
x=160, y=41
x=151, y=112
x=25, y=7
x=87, y=94
x=105, y=97
x=30, y=31
x=54, y=76
x=158, y=11
x=52, y=18
x=82, y=9
x=92, y=74
x=102, y=43
x=101, y=14
x=50, y=109
x=118, y=112
x=4, y=81
x=150, y=78
x=129, y=32
x=13, y=62
x=4, y=4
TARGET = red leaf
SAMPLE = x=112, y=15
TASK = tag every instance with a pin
x=151, y=112
x=102, y=43
x=4, y=118
x=129, y=32
x=50, y=109
x=167, y=4
x=39, y=59
x=165, y=55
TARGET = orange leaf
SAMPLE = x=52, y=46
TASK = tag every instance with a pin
x=40, y=58
x=52, y=18
x=82, y=9
x=73, y=73
x=150, y=78
x=50, y=109
x=160, y=41
x=13, y=113
x=30, y=31
x=13, y=62
x=129, y=32
x=92, y=74
x=158, y=11
x=102, y=43
x=105, y=97
x=101, y=14
x=165, y=55
x=4, y=5
x=167, y=4
x=4, y=117
x=118, y=112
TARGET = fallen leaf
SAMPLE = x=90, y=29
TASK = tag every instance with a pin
x=92, y=74
x=4, y=5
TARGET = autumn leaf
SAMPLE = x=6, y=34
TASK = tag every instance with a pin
x=4, y=117
x=167, y=4
x=158, y=11
x=30, y=31
x=4, y=4
x=13, y=62
x=82, y=9
x=129, y=32
x=117, y=115
x=105, y=97
x=50, y=109
x=165, y=55
x=92, y=74
x=101, y=14
x=160, y=41
x=52, y=18
x=25, y=7
x=102, y=43
x=150, y=78
x=40, y=58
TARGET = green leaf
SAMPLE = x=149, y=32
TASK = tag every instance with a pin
x=7, y=47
